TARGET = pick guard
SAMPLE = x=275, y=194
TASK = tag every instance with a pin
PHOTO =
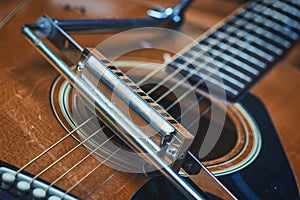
x=268, y=177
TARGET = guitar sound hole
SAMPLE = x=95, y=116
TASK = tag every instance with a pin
x=228, y=137
x=236, y=147
x=224, y=145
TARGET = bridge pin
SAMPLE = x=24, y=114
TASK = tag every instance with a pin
x=54, y=198
x=39, y=193
x=23, y=187
x=7, y=180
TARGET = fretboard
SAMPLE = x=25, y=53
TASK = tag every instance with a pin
x=233, y=56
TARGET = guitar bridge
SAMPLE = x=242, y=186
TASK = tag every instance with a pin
x=22, y=186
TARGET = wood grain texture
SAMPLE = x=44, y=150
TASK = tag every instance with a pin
x=27, y=125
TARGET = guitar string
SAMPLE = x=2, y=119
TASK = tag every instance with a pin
x=190, y=74
x=202, y=114
x=123, y=185
x=205, y=111
x=241, y=47
x=199, y=83
x=109, y=178
x=66, y=154
x=90, y=172
x=126, y=183
x=78, y=163
x=52, y=146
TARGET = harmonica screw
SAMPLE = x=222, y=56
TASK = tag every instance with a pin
x=171, y=152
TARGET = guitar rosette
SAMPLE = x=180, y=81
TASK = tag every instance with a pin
x=163, y=80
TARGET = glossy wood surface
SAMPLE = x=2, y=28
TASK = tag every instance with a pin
x=26, y=78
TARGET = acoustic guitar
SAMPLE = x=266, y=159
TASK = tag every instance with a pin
x=46, y=128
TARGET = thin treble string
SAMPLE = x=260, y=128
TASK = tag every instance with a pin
x=199, y=117
x=73, y=167
x=200, y=82
x=196, y=103
x=110, y=177
x=126, y=183
x=83, y=178
x=156, y=71
x=190, y=74
x=202, y=114
x=52, y=146
x=202, y=67
x=69, y=152
x=185, y=64
x=189, y=90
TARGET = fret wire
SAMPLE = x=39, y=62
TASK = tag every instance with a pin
x=241, y=64
x=169, y=79
x=216, y=82
x=239, y=54
x=270, y=17
x=235, y=73
x=278, y=28
x=258, y=41
x=286, y=9
x=251, y=54
x=212, y=66
x=283, y=18
x=248, y=71
x=223, y=75
x=207, y=75
x=294, y=3
x=251, y=49
x=256, y=52
x=286, y=44
x=265, y=37
x=210, y=78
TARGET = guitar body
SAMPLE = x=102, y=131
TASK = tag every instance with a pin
x=268, y=177
x=28, y=125
x=252, y=182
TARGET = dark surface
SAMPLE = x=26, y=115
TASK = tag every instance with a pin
x=268, y=177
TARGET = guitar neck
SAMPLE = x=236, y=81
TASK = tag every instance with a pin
x=242, y=49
